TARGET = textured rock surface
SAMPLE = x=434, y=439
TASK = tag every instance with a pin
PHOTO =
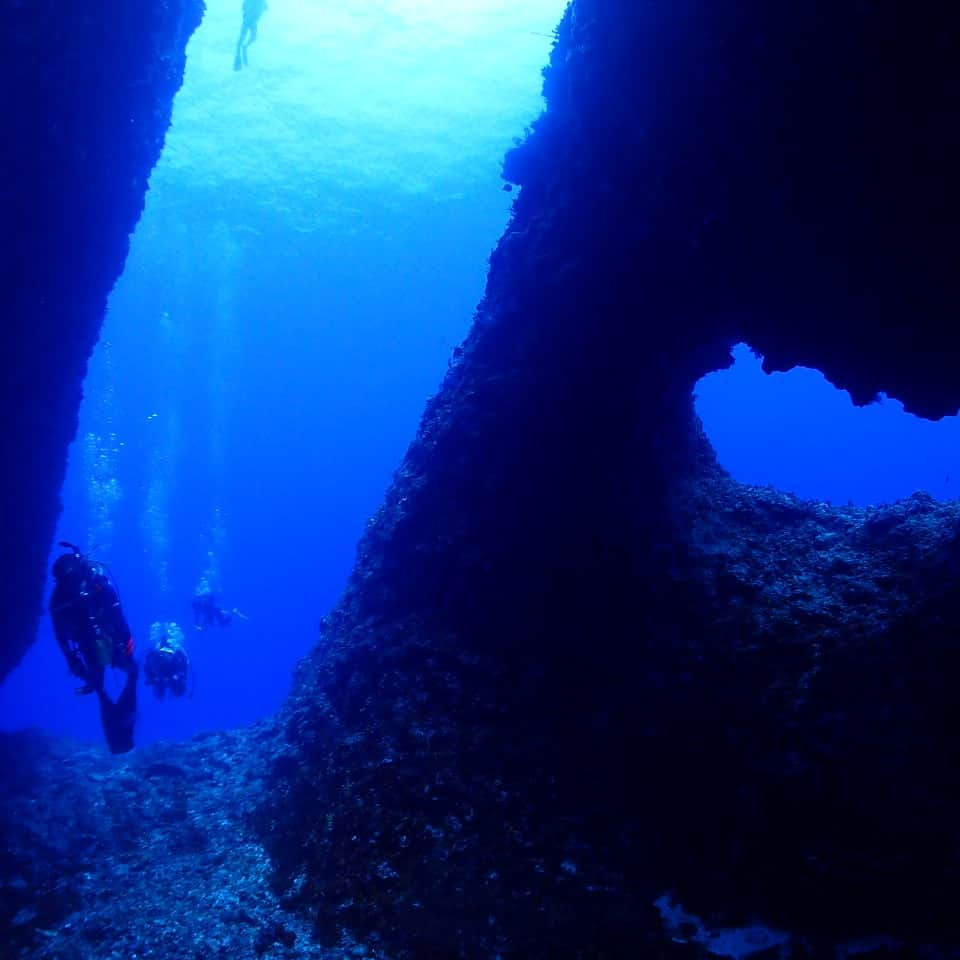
x=90, y=89
x=150, y=856
x=577, y=666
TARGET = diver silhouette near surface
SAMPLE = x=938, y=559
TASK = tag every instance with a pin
x=252, y=12
x=93, y=634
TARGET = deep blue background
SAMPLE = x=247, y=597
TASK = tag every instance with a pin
x=313, y=246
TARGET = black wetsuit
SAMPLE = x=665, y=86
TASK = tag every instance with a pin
x=208, y=613
x=166, y=668
x=93, y=634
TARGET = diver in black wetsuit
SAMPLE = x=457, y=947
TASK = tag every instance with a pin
x=207, y=611
x=92, y=632
x=252, y=12
x=167, y=667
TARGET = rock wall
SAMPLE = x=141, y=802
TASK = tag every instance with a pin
x=89, y=90
x=577, y=666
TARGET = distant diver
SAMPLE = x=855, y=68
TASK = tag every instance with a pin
x=93, y=634
x=166, y=666
x=252, y=12
x=207, y=611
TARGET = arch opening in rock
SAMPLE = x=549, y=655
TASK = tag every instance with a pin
x=797, y=432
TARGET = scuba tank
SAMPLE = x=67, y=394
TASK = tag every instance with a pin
x=102, y=647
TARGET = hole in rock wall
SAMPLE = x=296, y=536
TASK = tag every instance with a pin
x=797, y=432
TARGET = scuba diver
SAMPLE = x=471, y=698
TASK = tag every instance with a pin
x=166, y=665
x=207, y=611
x=252, y=12
x=92, y=633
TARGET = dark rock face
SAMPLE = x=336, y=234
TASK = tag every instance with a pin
x=89, y=97
x=577, y=665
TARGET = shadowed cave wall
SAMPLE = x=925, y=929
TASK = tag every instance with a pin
x=577, y=665
x=89, y=91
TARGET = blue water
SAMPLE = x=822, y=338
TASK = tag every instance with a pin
x=314, y=242
x=797, y=432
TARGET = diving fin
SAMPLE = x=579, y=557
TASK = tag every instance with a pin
x=117, y=720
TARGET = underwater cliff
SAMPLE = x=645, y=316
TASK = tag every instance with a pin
x=90, y=92
x=581, y=676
